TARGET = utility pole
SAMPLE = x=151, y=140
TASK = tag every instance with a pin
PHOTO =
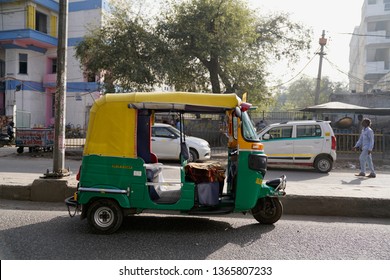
x=60, y=97
x=322, y=42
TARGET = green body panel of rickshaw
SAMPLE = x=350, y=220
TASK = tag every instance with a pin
x=250, y=185
x=103, y=174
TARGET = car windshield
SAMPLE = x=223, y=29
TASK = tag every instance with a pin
x=249, y=132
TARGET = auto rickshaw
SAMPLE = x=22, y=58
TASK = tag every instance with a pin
x=121, y=176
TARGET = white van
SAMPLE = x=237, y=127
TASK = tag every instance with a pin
x=300, y=143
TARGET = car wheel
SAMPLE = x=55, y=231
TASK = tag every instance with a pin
x=193, y=156
x=105, y=216
x=268, y=210
x=323, y=164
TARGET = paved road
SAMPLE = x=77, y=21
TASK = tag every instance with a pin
x=51, y=234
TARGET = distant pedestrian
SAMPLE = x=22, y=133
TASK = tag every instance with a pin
x=178, y=124
x=366, y=145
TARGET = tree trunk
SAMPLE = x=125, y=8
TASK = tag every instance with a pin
x=214, y=77
x=226, y=81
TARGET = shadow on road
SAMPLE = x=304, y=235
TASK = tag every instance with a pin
x=140, y=237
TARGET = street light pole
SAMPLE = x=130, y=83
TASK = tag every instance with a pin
x=60, y=97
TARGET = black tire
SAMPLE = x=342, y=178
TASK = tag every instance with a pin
x=193, y=156
x=105, y=216
x=323, y=164
x=20, y=150
x=268, y=210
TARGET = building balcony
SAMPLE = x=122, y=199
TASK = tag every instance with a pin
x=378, y=10
x=376, y=67
x=378, y=38
x=27, y=38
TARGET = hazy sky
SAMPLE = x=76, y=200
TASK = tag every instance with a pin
x=335, y=17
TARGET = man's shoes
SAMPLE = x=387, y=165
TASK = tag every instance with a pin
x=361, y=174
x=371, y=175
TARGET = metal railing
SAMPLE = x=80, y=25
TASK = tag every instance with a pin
x=218, y=141
x=345, y=142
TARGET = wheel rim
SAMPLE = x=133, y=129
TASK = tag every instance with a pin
x=104, y=217
x=323, y=165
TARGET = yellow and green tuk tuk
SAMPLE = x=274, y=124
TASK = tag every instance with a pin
x=120, y=175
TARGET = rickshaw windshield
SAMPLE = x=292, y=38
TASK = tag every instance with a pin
x=248, y=131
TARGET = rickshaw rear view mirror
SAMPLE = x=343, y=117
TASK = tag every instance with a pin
x=245, y=106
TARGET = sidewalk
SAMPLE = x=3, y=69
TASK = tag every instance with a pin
x=338, y=193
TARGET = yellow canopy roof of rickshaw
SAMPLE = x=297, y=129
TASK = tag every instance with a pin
x=113, y=117
x=175, y=101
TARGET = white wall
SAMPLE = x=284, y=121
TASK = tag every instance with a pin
x=12, y=16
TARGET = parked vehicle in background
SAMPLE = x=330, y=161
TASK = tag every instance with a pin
x=300, y=143
x=166, y=144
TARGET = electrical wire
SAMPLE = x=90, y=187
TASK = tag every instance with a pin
x=365, y=35
x=347, y=74
x=299, y=73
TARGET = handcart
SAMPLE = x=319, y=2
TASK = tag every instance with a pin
x=36, y=139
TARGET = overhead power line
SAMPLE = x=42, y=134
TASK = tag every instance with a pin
x=299, y=73
x=366, y=35
x=347, y=74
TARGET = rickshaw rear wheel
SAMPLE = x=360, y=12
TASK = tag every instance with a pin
x=105, y=216
x=268, y=210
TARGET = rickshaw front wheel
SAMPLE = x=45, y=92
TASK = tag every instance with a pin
x=105, y=216
x=268, y=210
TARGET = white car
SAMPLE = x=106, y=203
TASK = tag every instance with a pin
x=166, y=144
x=300, y=143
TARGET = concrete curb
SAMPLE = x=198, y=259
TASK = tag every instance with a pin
x=43, y=190
x=336, y=206
x=15, y=192
x=53, y=190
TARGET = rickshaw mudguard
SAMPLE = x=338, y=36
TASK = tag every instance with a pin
x=86, y=197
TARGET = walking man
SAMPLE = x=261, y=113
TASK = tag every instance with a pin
x=366, y=144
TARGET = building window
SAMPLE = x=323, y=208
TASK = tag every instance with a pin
x=41, y=22
x=371, y=2
x=22, y=63
x=53, y=68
